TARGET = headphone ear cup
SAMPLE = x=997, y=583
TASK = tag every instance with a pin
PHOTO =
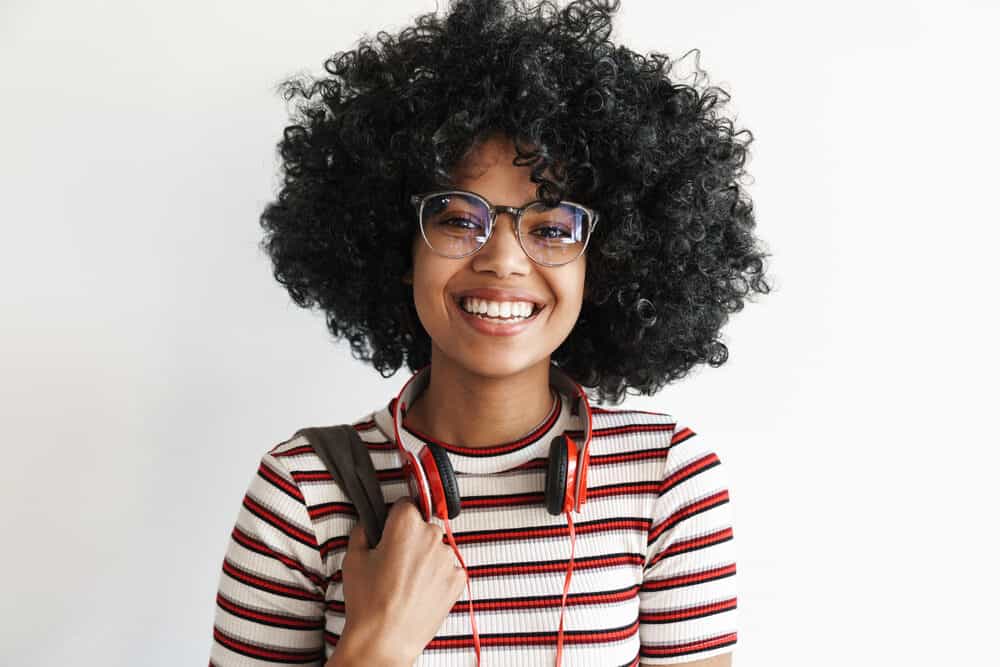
x=555, y=476
x=449, y=484
x=419, y=489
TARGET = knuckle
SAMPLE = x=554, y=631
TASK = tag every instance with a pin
x=450, y=561
x=402, y=505
x=403, y=511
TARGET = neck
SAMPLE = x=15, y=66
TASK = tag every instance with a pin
x=467, y=409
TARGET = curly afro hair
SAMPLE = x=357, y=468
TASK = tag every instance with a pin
x=675, y=252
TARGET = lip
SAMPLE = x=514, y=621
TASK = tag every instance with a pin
x=492, y=328
x=498, y=294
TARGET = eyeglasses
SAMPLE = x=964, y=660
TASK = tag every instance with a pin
x=458, y=223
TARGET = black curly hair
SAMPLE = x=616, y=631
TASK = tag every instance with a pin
x=674, y=254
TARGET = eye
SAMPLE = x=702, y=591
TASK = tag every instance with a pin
x=550, y=232
x=461, y=223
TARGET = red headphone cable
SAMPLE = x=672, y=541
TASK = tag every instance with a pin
x=569, y=576
x=468, y=584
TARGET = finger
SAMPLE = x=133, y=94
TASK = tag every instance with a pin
x=402, y=504
x=459, y=581
x=448, y=554
x=357, y=541
x=407, y=511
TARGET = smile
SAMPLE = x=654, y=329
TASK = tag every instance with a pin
x=514, y=323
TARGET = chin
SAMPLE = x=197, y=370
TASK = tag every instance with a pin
x=498, y=363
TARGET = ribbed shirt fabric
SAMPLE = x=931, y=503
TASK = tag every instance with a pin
x=653, y=577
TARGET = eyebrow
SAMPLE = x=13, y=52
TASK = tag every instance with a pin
x=493, y=203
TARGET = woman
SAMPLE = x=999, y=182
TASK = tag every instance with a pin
x=500, y=198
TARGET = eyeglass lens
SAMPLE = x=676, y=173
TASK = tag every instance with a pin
x=456, y=224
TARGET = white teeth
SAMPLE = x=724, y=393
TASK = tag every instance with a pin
x=497, y=309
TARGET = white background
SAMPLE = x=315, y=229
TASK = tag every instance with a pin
x=149, y=358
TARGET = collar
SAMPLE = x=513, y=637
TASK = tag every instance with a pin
x=571, y=413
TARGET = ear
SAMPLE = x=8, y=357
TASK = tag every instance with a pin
x=407, y=277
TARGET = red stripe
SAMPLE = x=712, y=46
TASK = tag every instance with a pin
x=641, y=455
x=714, y=500
x=279, y=522
x=381, y=446
x=627, y=489
x=598, y=526
x=630, y=428
x=384, y=475
x=253, y=544
x=294, y=451
x=690, y=470
x=330, y=509
x=688, y=647
x=603, y=459
x=546, y=601
x=525, y=569
x=502, y=501
x=684, y=613
x=257, y=581
x=517, y=534
x=526, y=499
x=312, y=476
x=526, y=603
x=680, y=436
x=591, y=563
x=536, y=639
x=338, y=543
x=277, y=620
x=261, y=653
x=687, y=579
x=280, y=482
x=682, y=546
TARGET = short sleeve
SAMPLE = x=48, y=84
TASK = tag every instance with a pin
x=271, y=597
x=687, y=602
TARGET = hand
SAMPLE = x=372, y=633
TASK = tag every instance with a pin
x=398, y=594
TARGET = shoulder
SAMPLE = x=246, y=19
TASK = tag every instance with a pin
x=632, y=427
x=628, y=436
x=303, y=465
x=664, y=450
x=295, y=459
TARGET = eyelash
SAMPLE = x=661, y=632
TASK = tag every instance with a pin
x=561, y=232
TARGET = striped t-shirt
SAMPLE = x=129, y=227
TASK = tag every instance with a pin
x=653, y=576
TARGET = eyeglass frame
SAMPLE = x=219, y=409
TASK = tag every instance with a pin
x=418, y=201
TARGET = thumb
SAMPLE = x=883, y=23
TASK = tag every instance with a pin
x=357, y=541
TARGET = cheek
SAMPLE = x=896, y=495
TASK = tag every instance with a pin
x=576, y=284
x=568, y=286
x=431, y=274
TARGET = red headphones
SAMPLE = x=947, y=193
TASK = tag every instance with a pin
x=434, y=488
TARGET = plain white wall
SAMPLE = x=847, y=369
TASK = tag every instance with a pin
x=149, y=358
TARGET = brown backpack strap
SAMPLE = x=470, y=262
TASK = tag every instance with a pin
x=350, y=464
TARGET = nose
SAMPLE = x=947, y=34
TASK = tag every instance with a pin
x=502, y=254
